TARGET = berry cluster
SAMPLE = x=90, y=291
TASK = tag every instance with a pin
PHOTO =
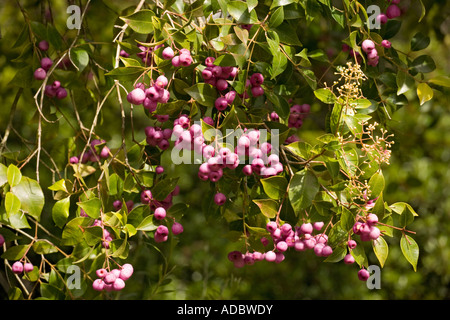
x=367, y=230
x=113, y=280
x=54, y=90
x=95, y=153
x=146, y=53
x=151, y=96
x=18, y=267
x=159, y=209
x=183, y=59
x=156, y=136
x=298, y=114
x=392, y=12
x=284, y=237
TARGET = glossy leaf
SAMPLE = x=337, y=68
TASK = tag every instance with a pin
x=410, y=250
x=303, y=188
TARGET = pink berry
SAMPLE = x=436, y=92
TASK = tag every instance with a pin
x=382, y=18
x=40, y=74
x=374, y=233
x=367, y=45
x=221, y=103
x=168, y=53
x=43, y=45
x=161, y=81
x=46, y=63
x=257, y=91
x=327, y=251
x=220, y=199
x=98, y=285
x=177, y=228
x=372, y=219
x=28, y=267
x=126, y=271
x=136, y=96
x=2, y=240
x=247, y=170
x=185, y=59
x=393, y=11
x=352, y=244
x=160, y=213
x=256, y=79
x=270, y=256
x=17, y=267
x=363, y=274
x=349, y=259
x=146, y=196
x=118, y=284
x=101, y=273
x=318, y=225
x=176, y=61
x=221, y=84
x=386, y=44
x=306, y=228
x=282, y=246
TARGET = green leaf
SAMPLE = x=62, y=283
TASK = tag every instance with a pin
x=92, y=207
x=279, y=3
x=360, y=255
x=44, y=247
x=203, y=93
x=381, y=250
x=410, y=250
x=404, y=82
x=424, y=92
x=14, y=175
x=275, y=187
x=163, y=188
x=239, y=11
x=325, y=95
x=141, y=21
x=276, y=18
x=147, y=224
x=126, y=73
x=405, y=211
x=348, y=159
x=12, y=204
x=79, y=57
x=60, y=211
x=15, y=252
x=419, y=41
x=31, y=197
x=303, y=188
x=376, y=185
x=73, y=231
x=268, y=207
x=438, y=80
x=3, y=174
x=423, y=63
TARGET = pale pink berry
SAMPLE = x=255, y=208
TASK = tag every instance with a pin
x=101, y=273
x=168, y=53
x=126, y=272
x=17, y=267
x=318, y=225
x=374, y=233
x=270, y=256
x=98, y=285
x=160, y=213
x=306, y=228
x=349, y=259
x=136, y=96
x=28, y=267
x=372, y=219
x=118, y=284
x=146, y=196
x=367, y=45
x=282, y=246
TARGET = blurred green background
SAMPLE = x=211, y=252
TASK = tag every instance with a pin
x=418, y=174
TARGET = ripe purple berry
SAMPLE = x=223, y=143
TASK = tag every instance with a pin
x=256, y=79
x=40, y=74
x=43, y=45
x=46, y=63
x=220, y=199
x=363, y=274
x=177, y=228
x=367, y=45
